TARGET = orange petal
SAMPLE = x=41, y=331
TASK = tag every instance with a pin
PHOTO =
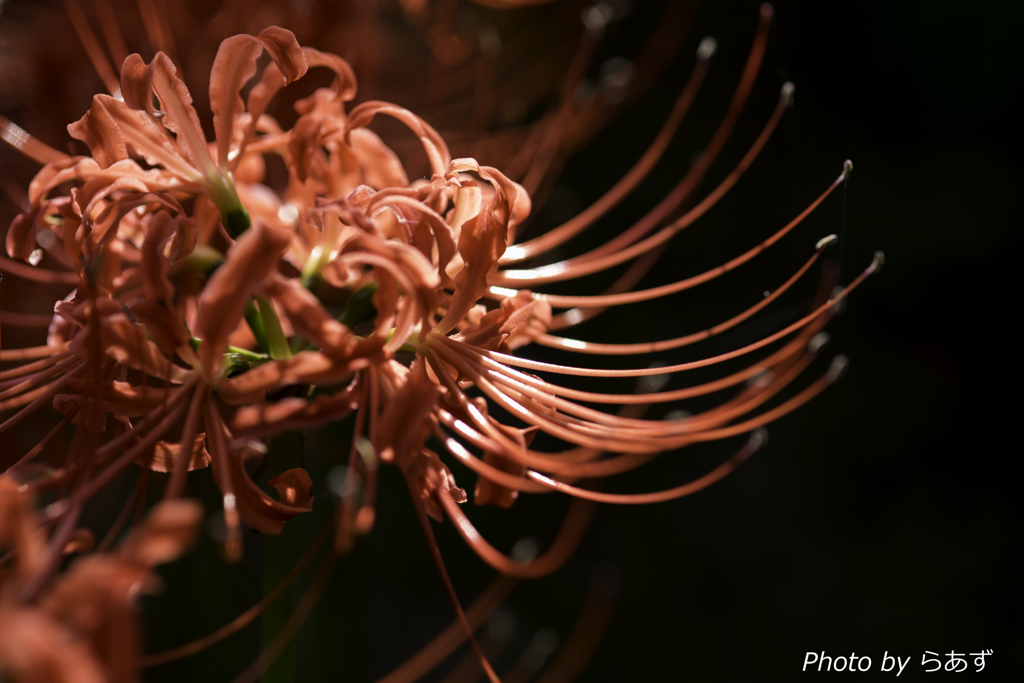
x=166, y=454
x=256, y=507
x=235, y=64
x=433, y=144
x=305, y=367
x=120, y=397
x=21, y=237
x=110, y=124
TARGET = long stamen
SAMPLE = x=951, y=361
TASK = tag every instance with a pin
x=43, y=275
x=587, y=264
x=92, y=46
x=176, y=485
x=642, y=372
x=29, y=368
x=439, y=561
x=243, y=619
x=444, y=643
x=625, y=185
x=651, y=347
x=15, y=136
x=301, y=613
x=30, y=353
x=577, y=518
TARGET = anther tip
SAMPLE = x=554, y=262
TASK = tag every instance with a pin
x=787, y=93
x=759, y=437
x=877, y=262
x=838, y=367
x=767, y=11
x=707, y=48
x=818, y=342
x=827, y=241
x=847, y=169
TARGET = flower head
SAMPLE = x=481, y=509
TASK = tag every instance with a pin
x=213, y=311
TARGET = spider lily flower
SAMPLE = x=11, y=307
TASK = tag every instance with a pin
x=395, y=304
x=172, y=137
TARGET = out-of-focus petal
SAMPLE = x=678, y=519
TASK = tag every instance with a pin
x=36, y=649
x=17, y=527
x=96, y=600
x=168, y=531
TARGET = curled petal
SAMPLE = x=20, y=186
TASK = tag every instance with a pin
x=137, y=84
x=490, y=492
x=482, y=241
x=256, y=507
x=166, y=454
x=294, y=488
x=345, y=80
x=21, y=238
x=155, y=310
x=235, y=64
x=433, y=144
x=110, y=124
x=439, y=477
x=496, y=326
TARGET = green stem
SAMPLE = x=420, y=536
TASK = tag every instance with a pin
x=255, y=322
x=276, y=341
x=225, y=198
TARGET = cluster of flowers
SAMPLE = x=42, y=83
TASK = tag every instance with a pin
x=211, y=312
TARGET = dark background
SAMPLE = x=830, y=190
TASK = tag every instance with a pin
x=885, y=515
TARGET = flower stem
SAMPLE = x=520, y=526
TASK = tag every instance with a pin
x=277, y=344
x=255, y=322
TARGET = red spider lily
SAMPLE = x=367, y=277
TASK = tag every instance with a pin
x=205, y=320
